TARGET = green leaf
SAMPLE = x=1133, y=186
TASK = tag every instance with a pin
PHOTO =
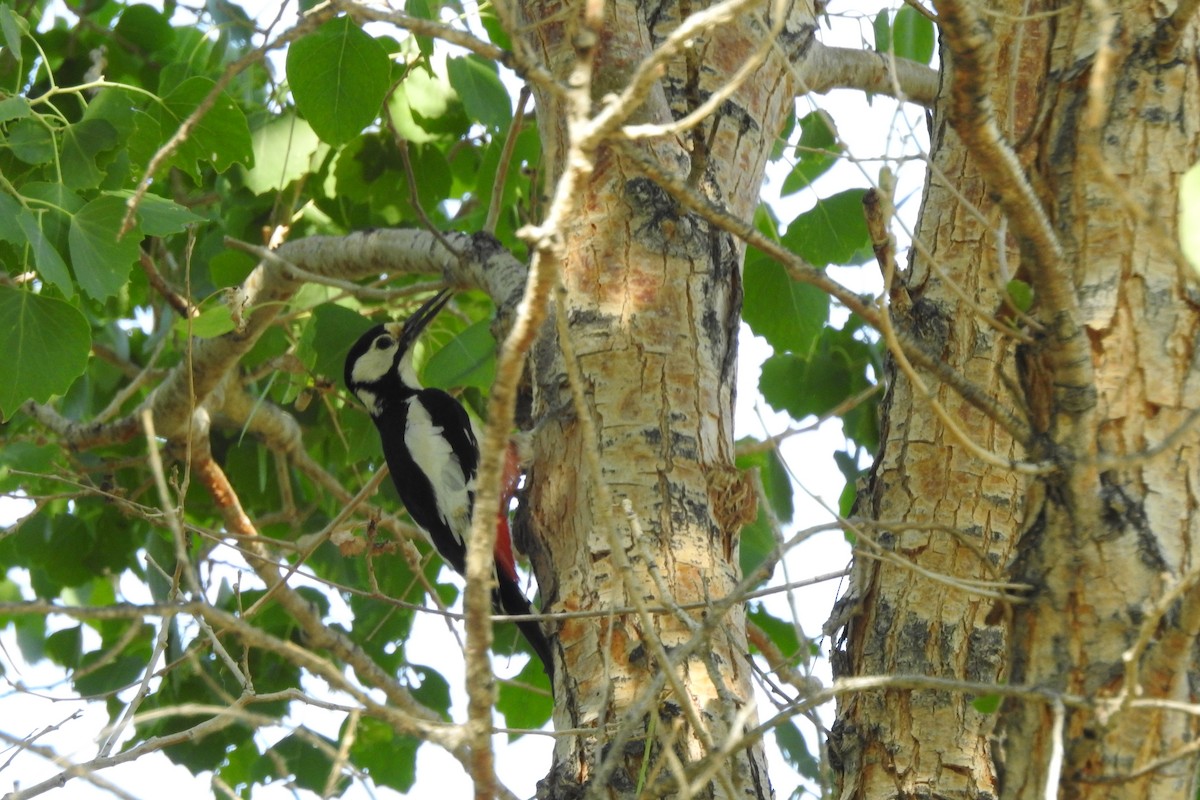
x=795, y=750
x=10, y=231
x=482, y=93
x=339, y=77
x=27, y=456
x=848, y=465
x=46, y=342
x=816, y=151
x=48, y=260
x=31, y=141
x=785, y=384
x=308, y=764
x=82, y=142
x=423, y=9
x=1189, y=216
x=469, y=359
x=230, y=268
x=14, y=108
x=13, y=28
x=213, y=321
x=425, y=108
x=776, y=482
x=787, y=313
x=521, y=707
x=847, y=498
x=114, y=675
x=433, y=692
x=778, y=487
x=116, y=107
x=70, y=538
x=912, y=35
x=389, y=759
x=158, y=216
x=833, y=232
x=65, y=647
x=31, y=637
x=882, y=25
x=286, y=148
x=1021, y=294
x=146, y=28
x=497, y=33
x=987, y=703
x=757, y=545
x=101, y=261
x=221, y=137
x=334, y=329
x=782, y=634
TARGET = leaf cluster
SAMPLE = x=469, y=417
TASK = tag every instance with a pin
x=352, y=130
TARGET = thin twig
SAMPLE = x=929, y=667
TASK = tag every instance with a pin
x=169, y=508
x=182, y=306
x=510, y=144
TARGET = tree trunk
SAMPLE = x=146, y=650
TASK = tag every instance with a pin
x=652, y=301
x=1098, y=521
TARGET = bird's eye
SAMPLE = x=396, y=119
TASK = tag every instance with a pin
x=384, y=343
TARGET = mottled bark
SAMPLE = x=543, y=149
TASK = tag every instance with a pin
x=1103, y=125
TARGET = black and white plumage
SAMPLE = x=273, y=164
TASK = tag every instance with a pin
x=432, y=452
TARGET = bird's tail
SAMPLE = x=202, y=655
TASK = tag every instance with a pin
x=509, y=599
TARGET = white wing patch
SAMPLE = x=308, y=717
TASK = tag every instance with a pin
x=435, y=459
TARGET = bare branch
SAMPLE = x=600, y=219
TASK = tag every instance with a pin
x=826, y=68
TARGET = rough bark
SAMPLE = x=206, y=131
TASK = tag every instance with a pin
x=1103, y=125
x=652, y=298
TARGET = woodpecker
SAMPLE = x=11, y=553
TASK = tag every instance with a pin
x=432, y=452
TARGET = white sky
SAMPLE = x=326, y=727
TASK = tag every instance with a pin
x=868, y=130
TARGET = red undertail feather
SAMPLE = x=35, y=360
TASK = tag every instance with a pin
x=505, y=560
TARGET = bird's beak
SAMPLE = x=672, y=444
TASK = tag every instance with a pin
x=425, y=314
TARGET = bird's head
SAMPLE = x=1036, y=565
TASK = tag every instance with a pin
x=379, y=365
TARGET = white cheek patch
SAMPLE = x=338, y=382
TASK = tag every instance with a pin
x=373, y=365
x=434, y=457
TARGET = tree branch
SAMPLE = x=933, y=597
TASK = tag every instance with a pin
x=826, y=68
